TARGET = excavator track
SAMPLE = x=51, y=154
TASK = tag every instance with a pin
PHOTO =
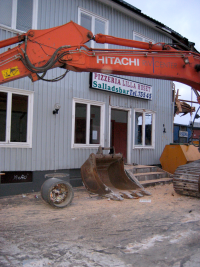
x=186, y=179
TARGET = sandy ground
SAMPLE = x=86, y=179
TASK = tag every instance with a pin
x=162, y=230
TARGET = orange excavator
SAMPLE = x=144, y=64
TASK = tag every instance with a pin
x=66, y=47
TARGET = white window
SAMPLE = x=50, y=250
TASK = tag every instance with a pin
x=95, y=24
x=142, y=38
x=144, y=129
x=19, y=15
x=87, y=123
x=16, y=117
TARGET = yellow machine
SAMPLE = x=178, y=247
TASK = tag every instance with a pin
x=183, y=162
x=176, y=155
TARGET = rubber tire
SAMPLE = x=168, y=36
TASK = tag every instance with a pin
x=48, y=186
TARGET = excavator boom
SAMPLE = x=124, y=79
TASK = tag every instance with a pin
x=40, y=50
x=65, y=47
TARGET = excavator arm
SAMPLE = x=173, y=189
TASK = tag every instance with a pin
x=65, y=47
x=40, y=50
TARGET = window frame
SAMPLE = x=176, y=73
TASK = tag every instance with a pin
x=30, y=94
x=14, y=17
x=143, y=146
x=102, y=120
x=94, y=16
x=144, y=38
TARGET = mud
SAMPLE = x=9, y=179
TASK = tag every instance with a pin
x=158, y=230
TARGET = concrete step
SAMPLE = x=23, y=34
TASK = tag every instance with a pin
x=141, y=168
x=150, y=176
x=156, y=182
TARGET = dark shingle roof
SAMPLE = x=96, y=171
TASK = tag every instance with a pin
x=184, y=43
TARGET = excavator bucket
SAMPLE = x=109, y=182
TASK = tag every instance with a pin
x=104, y=174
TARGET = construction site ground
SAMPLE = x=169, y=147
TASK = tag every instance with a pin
x=158, y=230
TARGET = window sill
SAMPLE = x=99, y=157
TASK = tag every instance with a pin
x=7, y=28
x=85, y=146
x=143, y=147
x=17, y=145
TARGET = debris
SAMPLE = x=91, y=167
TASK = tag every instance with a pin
x=145, y=200
x=23, y=195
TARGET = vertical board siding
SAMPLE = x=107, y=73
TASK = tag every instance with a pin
x=51, y=144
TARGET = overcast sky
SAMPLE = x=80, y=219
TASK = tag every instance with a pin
x=181, y=16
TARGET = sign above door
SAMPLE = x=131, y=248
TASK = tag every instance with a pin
x=118, y=85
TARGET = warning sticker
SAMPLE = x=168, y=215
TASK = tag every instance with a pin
x=8, y=73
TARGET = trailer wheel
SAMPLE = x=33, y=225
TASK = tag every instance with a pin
x=57, y=192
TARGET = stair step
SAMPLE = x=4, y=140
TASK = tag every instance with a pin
x=156, y=182
x=141, y=168
x=150, y=176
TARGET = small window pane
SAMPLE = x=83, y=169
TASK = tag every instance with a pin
x=6, y=12
x=24, y=15
x=99, y=28
x=95, y=125
x=80, y=123
x=19, y=118
x=3, y=108
x=148, y=129
x=138, y=38
x=86, y=21
x=119, y=115
x=138, y=128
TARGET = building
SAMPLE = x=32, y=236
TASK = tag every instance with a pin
x=196, y=131
x=182, y=133
x=34, y=141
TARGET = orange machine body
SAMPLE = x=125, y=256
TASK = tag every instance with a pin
x=65, y=47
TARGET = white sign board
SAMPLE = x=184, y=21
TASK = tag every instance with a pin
x=118, y=85
x=183, y=134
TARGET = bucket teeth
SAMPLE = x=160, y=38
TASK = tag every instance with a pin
x=127, y=195
x=136, y=194
x=114, y=196
x=105, y=176
x=145, y=192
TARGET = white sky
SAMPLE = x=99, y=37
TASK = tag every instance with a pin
x=181, y=16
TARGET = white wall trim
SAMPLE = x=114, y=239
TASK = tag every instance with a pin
x=102, y=122
x=93, y=15
x=144, y=111
x=30, y=95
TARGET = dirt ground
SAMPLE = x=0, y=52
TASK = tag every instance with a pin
x=158, y=230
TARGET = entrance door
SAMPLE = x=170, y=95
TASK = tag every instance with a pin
x=119, y=131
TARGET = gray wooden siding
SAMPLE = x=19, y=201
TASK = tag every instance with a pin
x=51, y=146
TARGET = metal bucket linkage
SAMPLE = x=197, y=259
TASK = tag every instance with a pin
x=104, y=175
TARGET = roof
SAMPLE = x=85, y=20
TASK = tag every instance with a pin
x=184, y=43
